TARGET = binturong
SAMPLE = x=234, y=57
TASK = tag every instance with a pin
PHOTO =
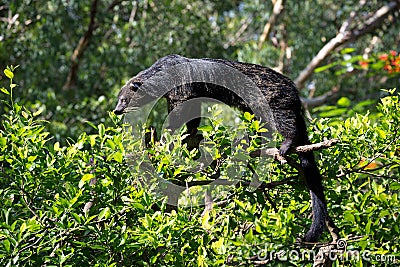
x=277, y=92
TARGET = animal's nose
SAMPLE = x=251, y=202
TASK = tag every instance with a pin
x=117, y=112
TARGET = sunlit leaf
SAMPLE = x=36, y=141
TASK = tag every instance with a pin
x=9, y=74
x=118, y=157
x=101, y=130
x=344, y=102
x=333, y=113
x=323, y=68
x=105, y=213
x=205, y=128
x=4, y=90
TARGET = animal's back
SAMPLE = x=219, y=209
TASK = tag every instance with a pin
x=280, y=92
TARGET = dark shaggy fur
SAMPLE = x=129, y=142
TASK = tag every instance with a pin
x=279, y=93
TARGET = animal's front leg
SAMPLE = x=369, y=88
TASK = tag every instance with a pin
x=188, y=113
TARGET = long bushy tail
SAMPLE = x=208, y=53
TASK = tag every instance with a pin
x=314, y=182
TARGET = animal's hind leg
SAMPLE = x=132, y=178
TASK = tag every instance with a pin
x=292, y=127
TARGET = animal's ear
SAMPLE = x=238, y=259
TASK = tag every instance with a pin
x=135, y=86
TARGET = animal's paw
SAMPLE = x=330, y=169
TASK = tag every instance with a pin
x=284, y=149
x=310, y=237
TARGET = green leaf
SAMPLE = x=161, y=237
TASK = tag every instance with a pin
x=384, y=213
x=333, y=113
x=256, y=125
x=76, y=217
x=218, y=246
x=3, y=141
x=360, y=106
x=240, y=204
x=92, y=125
x=105, y=213
x=22, y=228
x=258, y=228
x=118, y=157
x=106, y=182
x=32, y=158
x=25, y=114
x=305, y=208
x=348, y=216
x=368, y=227
x=205, y=128
x=347, y=50
x=248, y=116
x=344, y=102
x=381, y=133
x=37, y=112
x=56, y=146
x=395, y=186
x=205, y=220
x=111, y=144
x=4, y=90
x=123, y=240
x=138, y=206
x=17, y=107
x=85, y=178
x=102, y=130
x=9, y=73
x=325, y=67
x=6, y=245
x=12, y=228
x=93, y=139
x=249, y=236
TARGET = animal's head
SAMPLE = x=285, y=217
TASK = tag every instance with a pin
x=125, y=97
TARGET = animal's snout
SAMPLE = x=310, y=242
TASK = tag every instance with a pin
x=121, y=105
x=117, y=112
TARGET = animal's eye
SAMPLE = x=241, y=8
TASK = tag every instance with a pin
x=123, y=100
x=135, y=85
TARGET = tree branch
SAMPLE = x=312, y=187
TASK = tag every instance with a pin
x=345, y=35
x=277, y=10
x=319, y=100
x=80, y=48
x=300, y=149
x=238, y=34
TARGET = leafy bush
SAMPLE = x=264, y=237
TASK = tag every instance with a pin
x=82, y=204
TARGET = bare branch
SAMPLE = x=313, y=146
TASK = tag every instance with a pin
x=80, y=48
x=299, y=149
x=238, y=34
x=277, y=10
x=345, y=35
x=319, y=100
x=285, y=50
x=274, y=152
x=376, y=19
x=133, y=12
x=263, y=185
